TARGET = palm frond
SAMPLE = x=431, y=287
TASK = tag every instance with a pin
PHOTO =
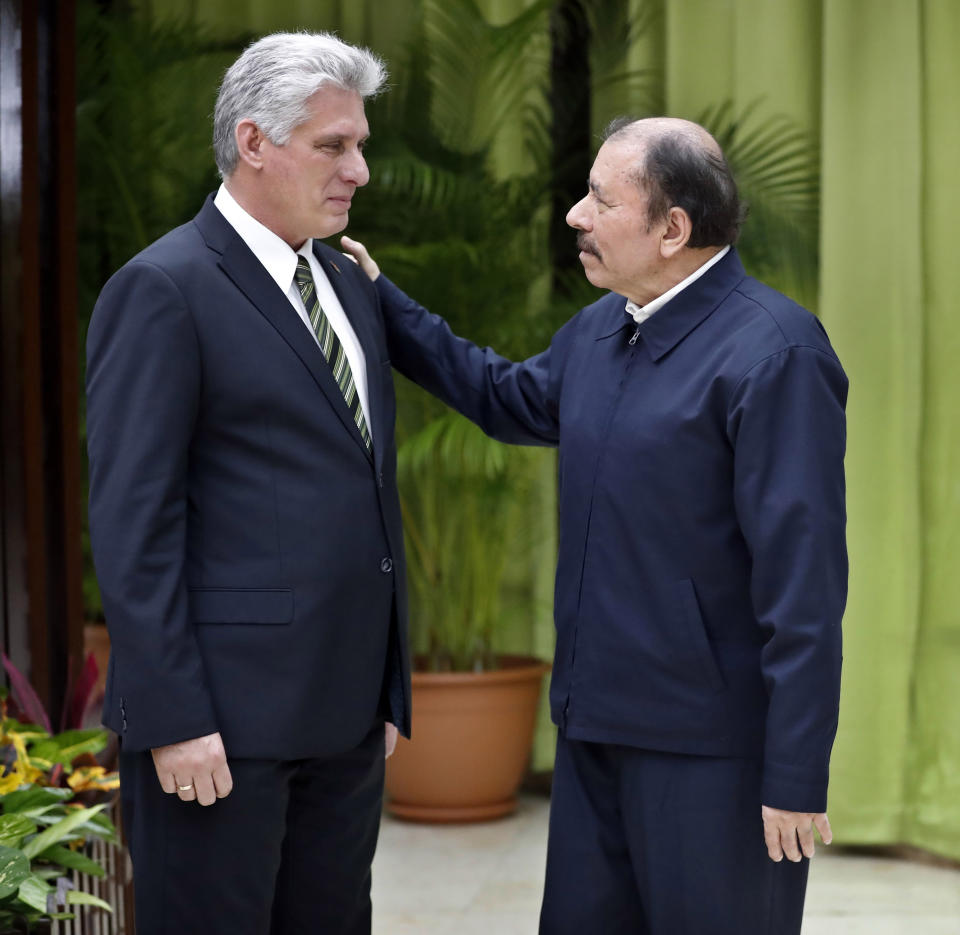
x=776, y=165
x=477, y=70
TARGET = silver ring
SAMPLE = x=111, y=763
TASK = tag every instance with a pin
x=184, y=788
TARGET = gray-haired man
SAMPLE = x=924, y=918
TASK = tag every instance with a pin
x=246, y=525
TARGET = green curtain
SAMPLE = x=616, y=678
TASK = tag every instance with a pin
x=877, y=82
x=891, y=136
x=874, y=83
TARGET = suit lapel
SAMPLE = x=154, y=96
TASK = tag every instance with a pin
x=249, y=276
x=356, y=307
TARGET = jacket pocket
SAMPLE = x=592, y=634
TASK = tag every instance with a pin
x=241, y=605
x=694, y=633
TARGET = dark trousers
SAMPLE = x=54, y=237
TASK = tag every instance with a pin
x=650, y=843
x=288, y=852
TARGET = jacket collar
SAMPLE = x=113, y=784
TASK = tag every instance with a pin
x=249, y=276
x=663, y=331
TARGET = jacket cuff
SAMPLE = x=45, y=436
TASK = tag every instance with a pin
x=143, y=723
x=794, y=789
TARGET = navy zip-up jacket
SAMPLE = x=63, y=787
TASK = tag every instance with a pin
x=702, y=565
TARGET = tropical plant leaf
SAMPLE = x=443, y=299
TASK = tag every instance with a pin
x=776, y=165
x=25, y=696
x=80, y=695
x=14, y=869
x=79, y=898
x=72, y=860
x=33, y=891
x=56, y=833
x=36, y=797
x=477, y=70
x=14, y=828
x=66, y=747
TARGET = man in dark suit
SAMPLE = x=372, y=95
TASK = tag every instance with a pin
x=702, y=570
x=246, y=524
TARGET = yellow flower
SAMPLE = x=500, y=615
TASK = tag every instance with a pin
x=93, y=777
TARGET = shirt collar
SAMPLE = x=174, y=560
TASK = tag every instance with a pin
x=640, y=313
x=273, y=252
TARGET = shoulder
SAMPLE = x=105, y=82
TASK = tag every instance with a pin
x=763, y=323
x=164, y=276
x=344, y=266
x=170, y=260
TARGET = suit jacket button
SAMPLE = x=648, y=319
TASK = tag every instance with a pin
x=386, y=566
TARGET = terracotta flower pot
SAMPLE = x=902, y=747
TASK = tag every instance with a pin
x=472, y=733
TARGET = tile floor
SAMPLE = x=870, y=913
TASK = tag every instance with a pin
x=486, y=880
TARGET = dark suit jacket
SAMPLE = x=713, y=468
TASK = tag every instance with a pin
x=248, y=547
x=702, y=571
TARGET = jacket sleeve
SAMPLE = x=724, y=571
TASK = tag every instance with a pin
x=143, y=387
x=786, y=423
x=511, y=402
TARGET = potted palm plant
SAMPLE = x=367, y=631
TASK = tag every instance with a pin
x=465, y=501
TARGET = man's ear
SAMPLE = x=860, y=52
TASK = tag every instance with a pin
x=675, y=237
x=250, y=143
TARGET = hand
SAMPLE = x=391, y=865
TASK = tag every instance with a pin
x=357, y=252
x=782, y=830
x=390, y=734
x=199, y=764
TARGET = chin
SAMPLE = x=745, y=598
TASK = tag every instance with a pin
x=594, y=277
x=330, y=227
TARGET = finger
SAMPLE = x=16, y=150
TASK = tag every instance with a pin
x=788, y=841
x=186, y=791
x=222, y=781
x=805, y=835
x=205, y=792
x=771, y=837
x=823, y=826
x=389, y=739
x=362, y=256
x=167, y=782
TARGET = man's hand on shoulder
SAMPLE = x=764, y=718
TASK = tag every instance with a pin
x=792, y=832
x=194, y=769
x=357, y=252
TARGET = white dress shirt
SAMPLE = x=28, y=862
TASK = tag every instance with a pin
x=641, y=313
x=280, y=261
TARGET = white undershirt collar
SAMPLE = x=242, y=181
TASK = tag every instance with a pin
x=640, y=313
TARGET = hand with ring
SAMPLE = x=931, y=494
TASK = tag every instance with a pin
x=194, y=770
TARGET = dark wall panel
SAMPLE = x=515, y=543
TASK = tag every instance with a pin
x=39, y=465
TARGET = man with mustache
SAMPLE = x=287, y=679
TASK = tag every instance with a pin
x=702, y=569
x=246, y=523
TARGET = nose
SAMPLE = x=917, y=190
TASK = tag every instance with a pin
x=578, y=216
x=354, y=169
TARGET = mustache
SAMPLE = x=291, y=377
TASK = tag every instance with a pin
x=585, y=244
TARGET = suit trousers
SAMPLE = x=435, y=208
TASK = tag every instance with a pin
x=288, y=852
x=650, y=843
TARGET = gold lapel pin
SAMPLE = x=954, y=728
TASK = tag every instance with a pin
x=334, y=265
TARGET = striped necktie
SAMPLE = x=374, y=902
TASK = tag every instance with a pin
x=331, y=346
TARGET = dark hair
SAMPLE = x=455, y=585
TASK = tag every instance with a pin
x=679, y=171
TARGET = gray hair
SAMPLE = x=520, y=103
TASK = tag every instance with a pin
x=274, y=78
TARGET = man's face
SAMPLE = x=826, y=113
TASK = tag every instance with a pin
x=617, y=250
x=310, y=180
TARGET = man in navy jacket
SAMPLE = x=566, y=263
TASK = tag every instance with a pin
x=246, y=524
x=702, y=569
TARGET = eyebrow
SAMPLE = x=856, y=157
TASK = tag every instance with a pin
x=341, y=137
x=595, y=188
